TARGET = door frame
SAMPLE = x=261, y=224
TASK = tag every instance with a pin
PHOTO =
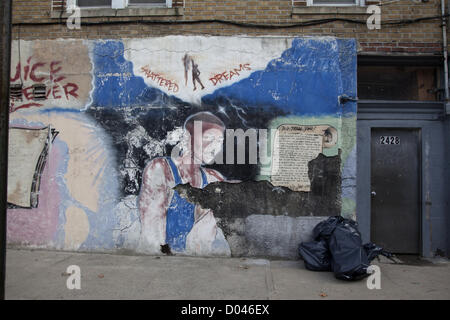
x=425, y=116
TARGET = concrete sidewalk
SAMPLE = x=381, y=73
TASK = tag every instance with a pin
x=36, y=274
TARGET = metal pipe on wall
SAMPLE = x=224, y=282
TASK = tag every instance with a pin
x=445, y=52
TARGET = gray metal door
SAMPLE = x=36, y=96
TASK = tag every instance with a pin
x=395, y=193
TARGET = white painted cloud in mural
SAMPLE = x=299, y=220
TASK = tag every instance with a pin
x=190, y=68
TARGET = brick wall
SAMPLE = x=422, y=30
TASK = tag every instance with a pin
x=424, y=37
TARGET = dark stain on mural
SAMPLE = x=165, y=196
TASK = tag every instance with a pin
x=238, y=200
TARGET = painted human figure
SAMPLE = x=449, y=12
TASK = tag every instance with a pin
x=166, y=217
x=196, y=75
x=186, y=62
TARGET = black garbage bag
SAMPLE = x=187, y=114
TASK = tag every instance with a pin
x=316, y=255
x=373, y=251
x=349, y=259
x=339, y=243
x=324, y=229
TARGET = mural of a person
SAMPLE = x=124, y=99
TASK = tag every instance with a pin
x=196, y=75
x=186, y=62
x=166, y=217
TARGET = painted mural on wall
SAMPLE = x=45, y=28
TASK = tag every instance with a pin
x=178, y=144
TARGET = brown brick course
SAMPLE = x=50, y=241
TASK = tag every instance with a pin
x=423, y=37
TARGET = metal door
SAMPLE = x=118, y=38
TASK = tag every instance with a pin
x=395, y=189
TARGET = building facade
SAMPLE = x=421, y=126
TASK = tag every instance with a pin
x=227, y=128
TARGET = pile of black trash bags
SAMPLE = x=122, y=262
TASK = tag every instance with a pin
x=338, y=247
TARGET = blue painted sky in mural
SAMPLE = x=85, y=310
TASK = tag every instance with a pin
x=115, y=83
x=306, y=80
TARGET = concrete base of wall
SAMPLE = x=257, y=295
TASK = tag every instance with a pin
x=277, y=236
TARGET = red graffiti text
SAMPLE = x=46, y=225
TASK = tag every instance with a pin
x=41, y=73
x=228, y=75
x=160, y=80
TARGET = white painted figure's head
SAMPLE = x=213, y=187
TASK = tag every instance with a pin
x=205, y=133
